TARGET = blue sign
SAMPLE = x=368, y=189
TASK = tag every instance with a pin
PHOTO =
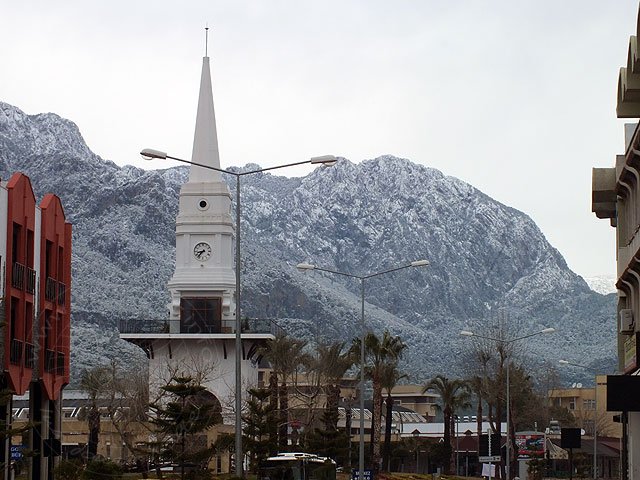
x=16, y=452
x=366, y=474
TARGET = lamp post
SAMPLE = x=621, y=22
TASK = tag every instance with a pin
x=502, y=341
x=362, y=278
x=595, y=413
x=326, y=160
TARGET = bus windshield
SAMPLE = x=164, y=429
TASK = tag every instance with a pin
x=316, y=468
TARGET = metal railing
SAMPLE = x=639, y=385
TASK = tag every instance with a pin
x=49, y=361
x=15, y=351
x=29, y=355
x=30, y=280
x=17, y=275
x=249, y=325
x=50, y=289
x=62, y=293
x=59, y=363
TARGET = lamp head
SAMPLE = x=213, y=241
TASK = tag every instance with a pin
x=563, y=362
x=326, y=160
x=467, y=333
x=150, y=154
x=420, y=263
x=303, y=267
x=548, y=330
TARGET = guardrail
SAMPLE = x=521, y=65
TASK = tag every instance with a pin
x=249, y=325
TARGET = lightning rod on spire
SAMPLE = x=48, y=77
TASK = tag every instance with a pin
x=206, y=40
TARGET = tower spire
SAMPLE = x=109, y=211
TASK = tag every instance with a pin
x=206, y=40
x=205, y=139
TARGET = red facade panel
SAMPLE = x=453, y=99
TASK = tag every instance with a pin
x=20, y=283
x=55, y=297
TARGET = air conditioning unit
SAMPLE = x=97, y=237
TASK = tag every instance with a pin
x=626, y=321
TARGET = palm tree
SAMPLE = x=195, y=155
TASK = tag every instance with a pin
x=284, y=354
x=378, y=352
x=389, y=379
x=333, y=363
x=454, y=394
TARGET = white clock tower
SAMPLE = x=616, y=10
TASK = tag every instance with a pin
x=199, y=338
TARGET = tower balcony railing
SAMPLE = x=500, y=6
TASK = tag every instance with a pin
x=138, y=325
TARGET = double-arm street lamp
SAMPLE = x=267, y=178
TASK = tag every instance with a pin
x=595, y=413
x=505, y=342
x=362, y=278
x=326, y=160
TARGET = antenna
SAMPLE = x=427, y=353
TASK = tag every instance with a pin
x=206, y=40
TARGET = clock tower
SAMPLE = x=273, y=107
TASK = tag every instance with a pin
x=203, y=284
x=199, y=337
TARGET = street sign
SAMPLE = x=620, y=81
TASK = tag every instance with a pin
x=16, y=452
x=490, y=459
x=366, y=474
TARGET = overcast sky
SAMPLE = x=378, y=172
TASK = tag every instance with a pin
x=515, y=97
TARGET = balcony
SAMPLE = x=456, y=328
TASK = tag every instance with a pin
x=151, y=326
x=50, y=289
x=23, y=278
x=49, y=360
x=59, y=363
x=18, y=275
x=62, y=293
x=15, y=352
x=29, y=355
x=30, y=275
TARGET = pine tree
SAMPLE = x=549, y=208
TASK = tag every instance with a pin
x=260, y=423
x=184, y=419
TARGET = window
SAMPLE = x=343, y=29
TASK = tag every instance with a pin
x=589, y=404
x=200, y=315
x=572, y=403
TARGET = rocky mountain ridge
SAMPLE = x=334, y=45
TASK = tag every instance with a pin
x=486, y=258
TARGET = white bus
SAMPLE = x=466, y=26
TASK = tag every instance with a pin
x=297, y=466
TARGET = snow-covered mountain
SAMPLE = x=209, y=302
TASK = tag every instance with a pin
x=603, y=284
x=486, y=258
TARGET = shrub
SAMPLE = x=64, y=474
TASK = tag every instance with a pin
x=68, y=470
x=102, y=470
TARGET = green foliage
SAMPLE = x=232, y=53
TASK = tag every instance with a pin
x=183, y=420
x=535, y=469
x=260, y=423
x=98, y=469
x=440, y=454
x=68, y=470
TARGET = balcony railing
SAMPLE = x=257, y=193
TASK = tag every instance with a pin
x=29, y=355
x=15, y=353
x=17, y=276
x=50, y=289
x=59, y=363
x=62, y=293
x=54, y=362
x=49, y=361
x=136, y=325
x=30, y=274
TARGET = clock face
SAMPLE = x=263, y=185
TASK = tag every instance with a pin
x=202, y=251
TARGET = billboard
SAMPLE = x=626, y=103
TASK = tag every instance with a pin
x=530, y=445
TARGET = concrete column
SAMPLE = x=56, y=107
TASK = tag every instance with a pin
x=633, y=444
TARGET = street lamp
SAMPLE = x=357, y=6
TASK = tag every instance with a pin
x=595, y=413
x=502, y=341
x=326, y=160
x=362, y=278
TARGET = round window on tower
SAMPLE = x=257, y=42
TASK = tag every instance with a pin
x=203, y=204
